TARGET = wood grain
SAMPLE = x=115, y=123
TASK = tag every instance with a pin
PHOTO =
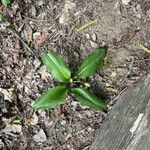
x=128, y=125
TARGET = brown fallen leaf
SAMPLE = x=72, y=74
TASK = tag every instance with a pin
x=40, y=38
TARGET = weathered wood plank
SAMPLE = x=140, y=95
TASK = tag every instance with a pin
x=128, y=125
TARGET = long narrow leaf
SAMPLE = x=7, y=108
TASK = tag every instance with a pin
x=89, y=99
x=6, y=2
x=91, y=63
x=51, y=98
x=56, y=66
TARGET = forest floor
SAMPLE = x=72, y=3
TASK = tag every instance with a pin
x=73, y=28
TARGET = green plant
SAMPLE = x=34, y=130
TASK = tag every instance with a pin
x=6, y=2
x=71, y=83
x=1, y=17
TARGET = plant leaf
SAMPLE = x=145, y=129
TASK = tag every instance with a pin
x=91, y=63
x=89, y=99
x=6, y=2
x=56, y=66
x=51, y=98
x=1, y=17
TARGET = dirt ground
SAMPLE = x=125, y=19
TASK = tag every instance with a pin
x=73, y=28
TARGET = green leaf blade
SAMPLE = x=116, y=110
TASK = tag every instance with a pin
x=51, y=98
x=89, y=99
x=1, y=17
x=56, y=66
x=91, y=63
x=6, y=2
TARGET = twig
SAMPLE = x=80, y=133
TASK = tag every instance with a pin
x=144, y=48
x=14, y=33
x=40, y=20
x=129, y=71
x=86, y=25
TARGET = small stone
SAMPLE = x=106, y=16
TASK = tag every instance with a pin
x=63, y=122
x=68, y=146
x=107, y=84
x=42, y=113
x=113, y=74
x=15, y=7
x=88, y=113
x=33, y=120
x=33, y=10
x=27, y=33
x=87, y=35
x=40, y=3
x=7, y=93
x=40, y=136
x=147, y=17
x=63, y=19
x=74, y=103
x=40, y=38
x=42, y=16
x=49, y=123
x=78, y=13
x=44, y=73
x=126, y=2
x=94, y=37
x=36, y=35
x=102, y=44
x=16, y=128
x=4, y=25
x=37, y=63
x=89, y=129
x=94, y=44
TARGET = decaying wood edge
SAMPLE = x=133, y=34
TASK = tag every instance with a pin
x=128, y=124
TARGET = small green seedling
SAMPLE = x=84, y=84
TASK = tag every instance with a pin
x=71, y=83
x=1, y=17
x=6, y=2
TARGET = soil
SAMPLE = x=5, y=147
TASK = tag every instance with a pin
x=73, y=29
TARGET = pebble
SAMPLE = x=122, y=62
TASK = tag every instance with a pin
x=44, y=73
x=15, y=7
x=113, y=74
x=89, y=129
x=63, y=122
x=87, y=35
x=74, y=103
x=7, y=93
x=94, y=44
x=147, y=17
x=36, y=35
x=4, y=25
x=63, y=19
x=36, y=63
x=33, y=120
x=16, y=128
x=126, y=2
x=40, y=136
x=40, y=3
x=107, y=84
x=33, y=10
x=94, y=37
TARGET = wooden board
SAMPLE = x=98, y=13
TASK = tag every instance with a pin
x=128, y=125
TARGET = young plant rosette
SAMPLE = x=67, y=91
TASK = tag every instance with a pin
x=71, y=83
